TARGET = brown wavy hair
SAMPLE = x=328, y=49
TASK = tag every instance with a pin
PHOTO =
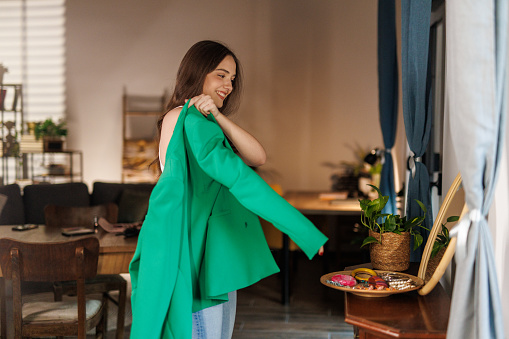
x=201, y=59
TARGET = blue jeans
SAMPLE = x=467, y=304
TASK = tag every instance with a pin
x=216, y=322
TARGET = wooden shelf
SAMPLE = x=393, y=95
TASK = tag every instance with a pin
x=139, y=135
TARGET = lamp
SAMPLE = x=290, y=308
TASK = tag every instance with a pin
x=372, y=157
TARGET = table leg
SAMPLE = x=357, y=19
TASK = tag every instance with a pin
x=285, y=281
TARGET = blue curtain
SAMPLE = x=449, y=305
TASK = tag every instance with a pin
x=387, y=94
x=476, y=52
x=417, y=112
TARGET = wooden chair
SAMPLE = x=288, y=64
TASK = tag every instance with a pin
x=63, y=216
x=72, y=260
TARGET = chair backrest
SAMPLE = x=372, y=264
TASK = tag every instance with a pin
x=57, y=261
x=13, y=212
x=74, y=216
x=36, y=197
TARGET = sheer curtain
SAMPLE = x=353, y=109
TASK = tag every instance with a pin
x=476, y=57
x=388, y=94
x=32, y=47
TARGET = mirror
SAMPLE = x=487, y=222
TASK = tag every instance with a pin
x=432, y=269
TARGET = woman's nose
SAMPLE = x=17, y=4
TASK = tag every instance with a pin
x=228, y=84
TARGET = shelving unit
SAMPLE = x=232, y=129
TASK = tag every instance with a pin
x=18, y=164
x=53, y=167
x=139, y=133
x=11, y=128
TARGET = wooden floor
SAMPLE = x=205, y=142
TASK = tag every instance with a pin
x=315, y=311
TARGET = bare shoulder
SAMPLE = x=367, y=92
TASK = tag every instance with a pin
x=169, y=122
x=170, y=119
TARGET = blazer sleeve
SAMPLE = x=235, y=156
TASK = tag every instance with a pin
x=207, y=142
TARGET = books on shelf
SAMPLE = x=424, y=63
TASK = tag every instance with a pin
x=15, y=100
x=29, y=144
x=3, y=94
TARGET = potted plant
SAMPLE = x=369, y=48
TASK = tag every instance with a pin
x=53, y=134
x=389, y=234
x=439, y=246
x=353, y=176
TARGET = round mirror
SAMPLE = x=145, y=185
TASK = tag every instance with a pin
x=436, y=257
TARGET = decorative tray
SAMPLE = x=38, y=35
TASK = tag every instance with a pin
x=415, y=283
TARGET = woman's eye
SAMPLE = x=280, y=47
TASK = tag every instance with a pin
x=221, y=76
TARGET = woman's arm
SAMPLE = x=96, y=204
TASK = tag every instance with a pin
x=249, y=148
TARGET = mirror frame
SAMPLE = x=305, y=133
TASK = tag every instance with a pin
x=442, y=215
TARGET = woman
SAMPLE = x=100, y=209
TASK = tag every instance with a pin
x=201, y=241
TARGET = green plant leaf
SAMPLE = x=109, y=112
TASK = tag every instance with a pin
x=445, y=231
x=418, y=239
x=436, y=249
x=453, y=218
x=442, y=239
x=369, y=240
x=390, y=223
x=422, y=206
x=376, y=189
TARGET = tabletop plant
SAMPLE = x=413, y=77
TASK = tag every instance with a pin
x=49, y=128
x=443, y=239
x=373, y=218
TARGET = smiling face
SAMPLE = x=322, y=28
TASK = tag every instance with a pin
x=219, y=83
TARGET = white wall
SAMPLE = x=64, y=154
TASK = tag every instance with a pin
x=310, y=70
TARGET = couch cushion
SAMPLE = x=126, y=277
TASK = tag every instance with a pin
x=105, y=192
x=13, y=212
x=131, y=198
x=36, y=197
x=133, y=205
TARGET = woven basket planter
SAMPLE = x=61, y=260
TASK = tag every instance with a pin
x=433, y=264
x=393, y=254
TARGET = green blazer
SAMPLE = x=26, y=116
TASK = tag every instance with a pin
x=201, y=237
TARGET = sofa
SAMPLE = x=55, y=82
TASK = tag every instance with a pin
x=26, y=206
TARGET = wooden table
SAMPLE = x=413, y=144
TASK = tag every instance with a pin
x=309, y=203
x=115, y=252
x=406, y=315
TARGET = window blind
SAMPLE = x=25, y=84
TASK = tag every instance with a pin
x=32, y=47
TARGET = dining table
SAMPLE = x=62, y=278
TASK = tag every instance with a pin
x=313, y=203
x=115, y=252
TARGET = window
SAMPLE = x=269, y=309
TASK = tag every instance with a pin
x=32, y=47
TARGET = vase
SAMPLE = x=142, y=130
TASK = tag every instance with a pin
x=393, y=254
x=53, y=144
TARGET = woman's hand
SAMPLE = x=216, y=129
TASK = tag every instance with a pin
x=320, y=251
x=205, y=105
